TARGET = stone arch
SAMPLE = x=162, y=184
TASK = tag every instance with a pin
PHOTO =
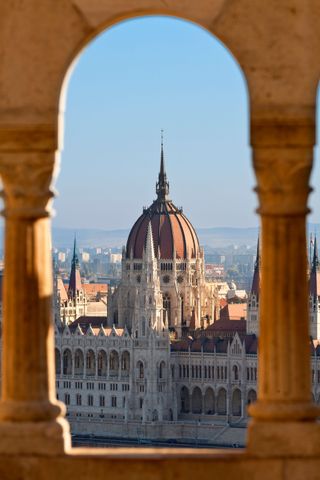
x=236, y=403
x=102, y=363
x=90, y=363
x=113, y=363
x=78, y=362
x=196, y=400
x=155, y=415
x=67, y=362
x=125, y=363
x=252, y=396
x=57, y=355
x=184, y=400
x=209, y=402
x=222, y=402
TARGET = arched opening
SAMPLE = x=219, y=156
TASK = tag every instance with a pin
x=196, y=400
x=155, y=416
x=184, y=400
x=222, y=402
x=102, y=363
x=236, y=403
x=162, y=371
x=57, y=361
x=67, y=362
x=90, y=363
x=209, y=402
x=78, y=362
x=235, y=372
x=140, y=369
x=114, y=363
x=252, y=397
x=125, y=363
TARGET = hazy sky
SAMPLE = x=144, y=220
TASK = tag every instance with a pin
x=135, y=79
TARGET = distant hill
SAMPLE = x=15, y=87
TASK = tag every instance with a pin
x=214, y=237
x=211, y=237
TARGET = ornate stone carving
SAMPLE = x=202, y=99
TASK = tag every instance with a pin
x=27, y=179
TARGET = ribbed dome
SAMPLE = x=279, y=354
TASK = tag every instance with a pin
x=171, y=230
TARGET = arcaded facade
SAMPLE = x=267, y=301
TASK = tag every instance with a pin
x=276, y=44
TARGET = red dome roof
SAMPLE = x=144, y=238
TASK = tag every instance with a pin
x=171, y=230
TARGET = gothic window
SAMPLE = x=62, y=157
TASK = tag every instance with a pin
x=162, y=370
x=114, y=363
x=140, y=369
x=125, y=362
x=67, y=362
x=235, y=371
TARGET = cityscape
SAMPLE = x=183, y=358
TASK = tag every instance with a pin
x=156, y=342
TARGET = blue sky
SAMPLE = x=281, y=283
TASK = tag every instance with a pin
x=133, y=80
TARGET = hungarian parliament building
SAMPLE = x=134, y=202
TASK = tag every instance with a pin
x=163, y=363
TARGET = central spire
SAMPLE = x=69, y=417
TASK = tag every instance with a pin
x=162, y=187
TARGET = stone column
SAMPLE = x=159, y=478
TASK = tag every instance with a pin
x=284, y=415
x=30, y=416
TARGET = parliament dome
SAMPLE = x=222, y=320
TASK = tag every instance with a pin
x=172, y=231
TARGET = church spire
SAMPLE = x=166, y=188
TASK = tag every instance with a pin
x=315, y=260
x=75, y=278
x=255, y=288
x=162, y=187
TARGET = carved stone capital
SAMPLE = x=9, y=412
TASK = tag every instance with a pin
x=27, y=179
x=283, y=176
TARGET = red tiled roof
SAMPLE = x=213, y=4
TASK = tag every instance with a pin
x=233, y=311
x=95, y=288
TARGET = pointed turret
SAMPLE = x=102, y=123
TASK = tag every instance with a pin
x=315, y=273
x=75, y=277
x=149, y=248
x=162, y=187
x=253, y=300
x=255, y=287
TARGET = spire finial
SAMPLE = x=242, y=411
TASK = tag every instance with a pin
x=162, y=187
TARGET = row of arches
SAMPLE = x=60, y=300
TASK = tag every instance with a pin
x=210, y=403
x=90, y=364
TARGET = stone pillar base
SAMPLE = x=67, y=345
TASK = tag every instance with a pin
x=40, y=438
x=279, y=439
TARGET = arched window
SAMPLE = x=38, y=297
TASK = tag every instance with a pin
x=236, y=403
x=222, y=402
x=162, y=370
x=57, y=361
x=196, y=400
x=78, y=362
x=140, y=369
x=209, y=402
x=184, y=400
x=114, y=363
x=102, y=363
x=125, y=363
x=235, y=371
x=90, y=363
x=67, y=362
